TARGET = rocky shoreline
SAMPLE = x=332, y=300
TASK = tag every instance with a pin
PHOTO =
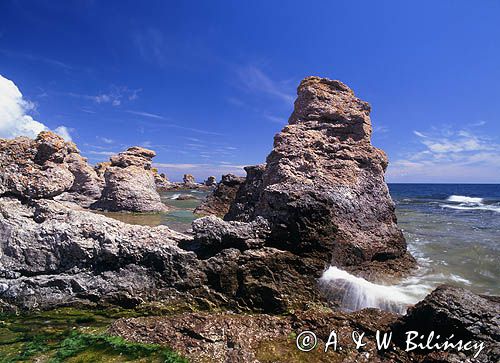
x=319, y=200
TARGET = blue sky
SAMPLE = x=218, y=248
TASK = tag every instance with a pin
x=207, y=84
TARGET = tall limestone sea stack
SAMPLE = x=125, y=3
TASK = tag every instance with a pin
x=323, y=187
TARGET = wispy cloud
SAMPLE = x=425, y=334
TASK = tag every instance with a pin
x=151, y=45
x=171, y=124
x=35, y=58
x=253, y=79
x=105, y=140
x=146, y=114
x=115, y=96
x=447, y=155
x=275, y=119
x=101, y=153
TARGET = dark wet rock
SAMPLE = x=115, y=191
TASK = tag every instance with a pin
x=451, y=310
x=206, y=338
x=211, y=181
x=323, y=187
x=219, y=201
x=186, y=197
x=213, y=234
x=130, y=183
x=243, y=206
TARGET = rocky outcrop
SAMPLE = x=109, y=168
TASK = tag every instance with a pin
x=161, y=180
x=188, y=179
x=227, y=337
x=54, y=255
x=455, y=311
x=130, y=183
x=247, y=196
x=219, y=201
x=46, y=167
x=211, y=181
x=100, y=169
x=323, y=188
x=87, y=185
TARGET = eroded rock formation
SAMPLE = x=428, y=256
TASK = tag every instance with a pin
x=46, y=167
x=323, y=187
x=219, y=201
x=130, y=183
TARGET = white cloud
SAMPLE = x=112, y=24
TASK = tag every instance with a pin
x=449, y=156
x=255, y=80
x=14, y=118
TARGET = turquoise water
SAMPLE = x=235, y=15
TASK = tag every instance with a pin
x=179, y=217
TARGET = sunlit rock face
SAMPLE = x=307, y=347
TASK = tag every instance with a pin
x=323, y=187
x=130, y=183
x=46, y=167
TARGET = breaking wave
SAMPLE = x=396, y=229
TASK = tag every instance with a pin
x=355, y=293
x=462, y=202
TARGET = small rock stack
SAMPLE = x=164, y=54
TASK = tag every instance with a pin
x=130, y=183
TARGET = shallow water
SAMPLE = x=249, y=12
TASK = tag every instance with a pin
x=453, y=230
x=179, y=217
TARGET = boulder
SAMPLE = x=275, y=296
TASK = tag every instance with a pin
x=222, y=197
x=454, y=311
x=54, y=255
x=323, y=187
x=43, y=168
x=130, y=183
x=211, y=181
x=188, y=179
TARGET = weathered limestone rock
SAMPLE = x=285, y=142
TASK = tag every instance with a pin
x=130, y=183
x=188, y=179
x=219, y=201
x=211, y=181
x=100, y=169
x=53, y=255
x=44, y=168
x=323, y=187
x=161, y=180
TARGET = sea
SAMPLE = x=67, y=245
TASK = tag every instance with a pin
x=453, y=230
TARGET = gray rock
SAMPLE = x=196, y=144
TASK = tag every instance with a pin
x=52, y=255
x=130, y=183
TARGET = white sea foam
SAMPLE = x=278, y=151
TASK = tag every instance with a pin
x=355, y=293
x=464, y=199
x=175, y=196
x=469, y=203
